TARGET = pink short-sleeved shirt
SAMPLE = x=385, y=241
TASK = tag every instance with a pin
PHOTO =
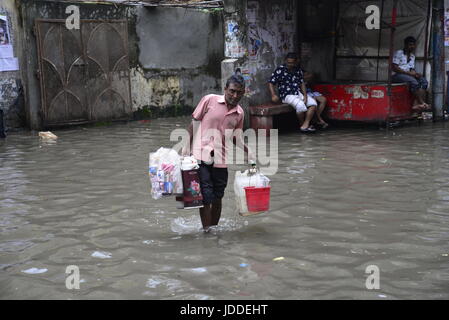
x=214, y=119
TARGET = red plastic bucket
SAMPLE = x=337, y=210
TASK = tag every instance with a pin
x=257, y=199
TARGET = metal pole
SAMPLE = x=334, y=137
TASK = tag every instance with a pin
x=426, y=42
x=438, y=65
x=336, y=31
x=380, y=38
x=390, y=62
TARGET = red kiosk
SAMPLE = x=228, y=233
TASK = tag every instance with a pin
x=361, y=101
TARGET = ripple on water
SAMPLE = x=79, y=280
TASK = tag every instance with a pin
x=341, y=200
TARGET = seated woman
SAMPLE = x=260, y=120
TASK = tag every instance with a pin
x=308, y=79
x=404, y=71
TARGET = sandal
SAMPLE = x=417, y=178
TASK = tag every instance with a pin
x=308, y=130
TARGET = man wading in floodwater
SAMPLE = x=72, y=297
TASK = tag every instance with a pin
x=215, y=117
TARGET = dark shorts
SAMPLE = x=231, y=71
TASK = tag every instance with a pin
x=213, y=182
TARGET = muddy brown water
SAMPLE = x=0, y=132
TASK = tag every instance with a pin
x=342, y=200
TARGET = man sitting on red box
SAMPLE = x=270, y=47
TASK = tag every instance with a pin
x=404, y=71
x=214, y=118
x=289, y=80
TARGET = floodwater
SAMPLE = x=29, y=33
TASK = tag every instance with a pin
x=342, y=200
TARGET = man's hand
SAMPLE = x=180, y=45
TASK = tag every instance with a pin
x=185, y=151
x=275, y=99
x=418, y=75
x=412, y=73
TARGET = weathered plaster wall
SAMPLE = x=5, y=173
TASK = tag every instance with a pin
x=271, y=35
x=11, y=101
x=174, y=54
x=180, y=51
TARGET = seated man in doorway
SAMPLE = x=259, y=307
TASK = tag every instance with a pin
x=289, y=79
x=309, y=79
x=404, y=71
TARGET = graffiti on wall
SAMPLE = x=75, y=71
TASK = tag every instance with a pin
x=270, y=36
x=275, y=34
x=234, y=41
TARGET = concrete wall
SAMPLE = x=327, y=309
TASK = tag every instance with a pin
x=180, y=51
x=11, y=101
x=174, y=54
x=270, y=33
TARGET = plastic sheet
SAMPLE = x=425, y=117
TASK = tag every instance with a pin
x=248, y=178
x=165, y=173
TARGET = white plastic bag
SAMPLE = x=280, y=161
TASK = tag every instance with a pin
x=165, y=173
x=248, y=178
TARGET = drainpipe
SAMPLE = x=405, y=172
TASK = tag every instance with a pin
x=2, y=125
x=438, y=65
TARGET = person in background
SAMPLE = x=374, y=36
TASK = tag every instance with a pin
x=404, y=71
x=289, y=79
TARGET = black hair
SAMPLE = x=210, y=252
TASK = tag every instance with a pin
x=291, y=55
x=409, y=39
x=237, y=79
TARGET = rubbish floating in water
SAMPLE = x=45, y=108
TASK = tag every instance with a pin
x=47, y=135
x=243, y=265
x=279, y=259
x=101, y=255
x=382, y=296
x=445, y=254
x=35, y=270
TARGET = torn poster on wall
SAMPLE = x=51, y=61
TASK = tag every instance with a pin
x=234, y=41
x=7, y=60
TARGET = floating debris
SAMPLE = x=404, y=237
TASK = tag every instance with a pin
x=279, y=259
x=35, y=270
x=47, y=135
x=101, y=255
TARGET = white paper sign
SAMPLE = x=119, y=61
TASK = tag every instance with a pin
x=6, y=51
x=9, y=64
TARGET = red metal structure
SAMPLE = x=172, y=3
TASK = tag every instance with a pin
x=367, y=102
x=359, y=100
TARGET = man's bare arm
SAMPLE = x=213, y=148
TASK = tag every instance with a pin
x=274, y=96
x=396, y=69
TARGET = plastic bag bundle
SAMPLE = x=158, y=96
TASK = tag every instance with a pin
x=165, y=173
x=248, y=178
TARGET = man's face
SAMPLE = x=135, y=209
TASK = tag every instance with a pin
x=291, y=63
x=411, y=46
x=233, y=93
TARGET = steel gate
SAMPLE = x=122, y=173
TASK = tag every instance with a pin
x=84, y=74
